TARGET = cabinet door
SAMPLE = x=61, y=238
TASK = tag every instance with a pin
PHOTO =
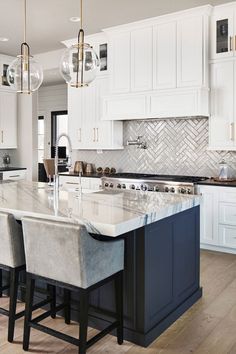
x=164, y=47
x=141, y=59
x=209, y=216
x=222, y=33
x=89, y=111
x=75, y=118
x=221, y=128
x=120, y=61
x=8, y=120
x=227, y=236
x=190, y=52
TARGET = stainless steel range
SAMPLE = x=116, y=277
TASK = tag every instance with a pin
x=153, y=183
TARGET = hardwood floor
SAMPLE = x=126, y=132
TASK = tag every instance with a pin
x=209, y=327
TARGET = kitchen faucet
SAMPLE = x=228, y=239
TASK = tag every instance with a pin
x=138, y=142
x=69, y=162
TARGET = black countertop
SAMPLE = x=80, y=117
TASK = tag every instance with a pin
x=5, y=169
x=74, y=174
x=212, y=182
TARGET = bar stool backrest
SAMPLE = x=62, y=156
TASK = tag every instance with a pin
x=65, y=252
x=11, y=242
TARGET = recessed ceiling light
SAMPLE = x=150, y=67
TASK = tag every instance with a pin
x=75, y=19
x=4, y=39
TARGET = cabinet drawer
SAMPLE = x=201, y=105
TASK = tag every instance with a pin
x=227, y=213
x=227, y=236
x=228, y=196
x=125, y=107
x=14, y=175
x=71, y=183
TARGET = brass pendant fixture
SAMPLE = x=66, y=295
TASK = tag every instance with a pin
x=79, y=63
x=24, y=74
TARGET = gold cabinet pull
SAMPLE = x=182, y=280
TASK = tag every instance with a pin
x=232, y=131
x=94, y=135
x=231, y=43
x=97, y=134
x=79, y=135
x=234, y=42
x=2, y=136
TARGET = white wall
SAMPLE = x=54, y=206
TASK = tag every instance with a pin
x=51, y=99
x=26, y=154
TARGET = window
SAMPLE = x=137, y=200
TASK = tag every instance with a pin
x=59, y=125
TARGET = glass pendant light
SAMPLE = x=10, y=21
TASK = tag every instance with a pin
x=79, y=63
x=24, y=74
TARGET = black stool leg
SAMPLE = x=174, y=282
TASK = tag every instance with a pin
x=67, y=305
x=84, y=307
x=14, y=280
x=52, y=291
x=0, y=282
x=30, y=285
x=119, y=306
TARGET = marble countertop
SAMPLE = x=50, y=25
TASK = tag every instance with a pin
x=110, y=213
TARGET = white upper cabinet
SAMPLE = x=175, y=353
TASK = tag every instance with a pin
x=120, y=62
x=164, y=55
x=8, y=120
x=223, y=32
x=222, y=120
x=190, y=46
x=141, y=59
x=75, y=127
x=157, y=63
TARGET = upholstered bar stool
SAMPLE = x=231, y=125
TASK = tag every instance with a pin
x=49, y=165
x=66, y=255
x=12, y=259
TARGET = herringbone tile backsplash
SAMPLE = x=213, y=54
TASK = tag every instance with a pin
x=175, y=146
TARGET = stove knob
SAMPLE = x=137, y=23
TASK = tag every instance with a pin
x=182, y=190
x=167, y=189
x=156, y=189
x=172, y=190
x=189, y=191
x=106, y=185
x=132, y=186
x=144, y=187
x=118, y=186
x=123, y=186
x=111, y=185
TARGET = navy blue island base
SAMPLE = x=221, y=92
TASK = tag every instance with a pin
x=162, y=263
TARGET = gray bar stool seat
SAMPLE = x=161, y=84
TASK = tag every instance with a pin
x=12, y=259
x=66, y=255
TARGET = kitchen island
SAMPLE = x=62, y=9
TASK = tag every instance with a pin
x=161, y=233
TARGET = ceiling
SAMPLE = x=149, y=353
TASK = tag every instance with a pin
x=48, y=20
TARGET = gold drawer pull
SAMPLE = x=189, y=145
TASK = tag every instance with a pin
x=232, y=131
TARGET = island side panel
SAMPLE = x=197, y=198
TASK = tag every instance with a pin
x=171, y=262
x=161, y=276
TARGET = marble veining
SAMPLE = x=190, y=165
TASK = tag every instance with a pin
x=109, y=213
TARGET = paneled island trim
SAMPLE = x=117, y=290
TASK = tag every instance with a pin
x=109, y=213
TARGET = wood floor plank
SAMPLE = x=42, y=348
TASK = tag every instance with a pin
x=209, y=327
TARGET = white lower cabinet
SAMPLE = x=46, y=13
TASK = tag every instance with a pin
x=71, y=183
x=14, y=175
x=218, y=218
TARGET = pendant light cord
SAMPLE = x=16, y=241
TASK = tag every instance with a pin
x=25, y=14
x=81, y=13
